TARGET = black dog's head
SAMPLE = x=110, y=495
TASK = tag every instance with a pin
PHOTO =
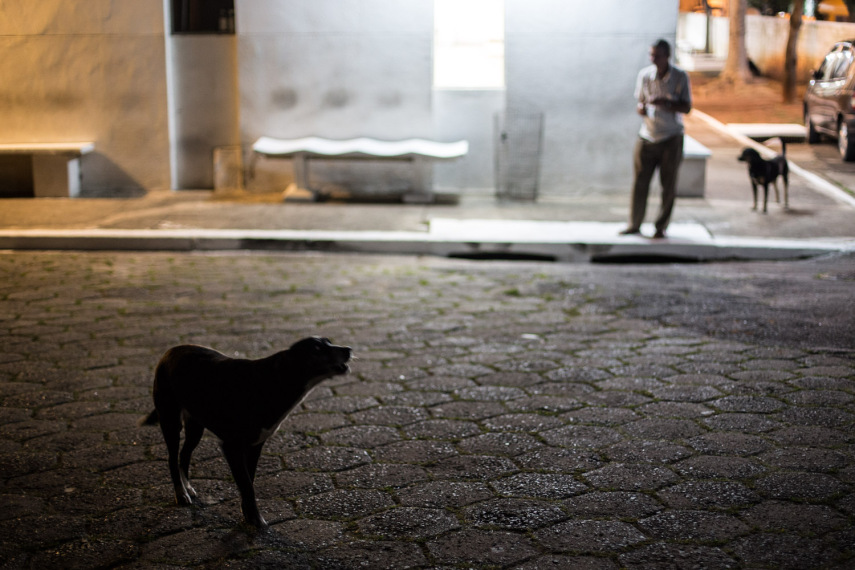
x=318, y=358
x=750, y=156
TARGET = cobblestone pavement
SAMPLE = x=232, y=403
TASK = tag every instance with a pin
x=499, y=415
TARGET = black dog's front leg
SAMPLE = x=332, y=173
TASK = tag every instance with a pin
x=754, y=190
x=237, y=455
x=252, y=457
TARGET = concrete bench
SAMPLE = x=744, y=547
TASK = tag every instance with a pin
x=55, y=166
x=692, y=180
x=418, y=151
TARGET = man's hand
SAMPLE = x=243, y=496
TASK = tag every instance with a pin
x=670, y=105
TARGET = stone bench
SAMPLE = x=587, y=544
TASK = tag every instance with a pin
x=418, y=151
x=55, y=166
x=692, y=180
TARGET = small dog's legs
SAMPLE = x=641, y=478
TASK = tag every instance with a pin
x=170, y=425
x=765, y=198
x=192, y=436
x=754, y=190
x=237, y=456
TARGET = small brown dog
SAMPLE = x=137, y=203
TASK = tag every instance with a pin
x=241, y=401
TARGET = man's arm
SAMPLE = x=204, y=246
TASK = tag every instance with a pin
x=683, y=104
x=640, y=96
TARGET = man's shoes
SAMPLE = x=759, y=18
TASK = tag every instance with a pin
x=660, y=234
x=630, y=232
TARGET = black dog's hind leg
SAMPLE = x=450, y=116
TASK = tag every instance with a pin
x=237, y=455
x=193, y=431
x=754, y=191
x=170, y=425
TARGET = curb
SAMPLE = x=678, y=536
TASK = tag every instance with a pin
x=474, y=239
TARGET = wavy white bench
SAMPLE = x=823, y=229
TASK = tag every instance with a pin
x=56, y=166
x=417, y=151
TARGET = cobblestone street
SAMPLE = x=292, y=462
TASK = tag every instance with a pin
x=498, y=415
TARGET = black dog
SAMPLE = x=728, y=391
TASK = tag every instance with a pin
x=764, y=172
x=241, y=401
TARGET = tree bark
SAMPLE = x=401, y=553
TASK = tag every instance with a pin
x=791, y=55
x=736, y=69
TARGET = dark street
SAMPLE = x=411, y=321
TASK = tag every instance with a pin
x=498, y=415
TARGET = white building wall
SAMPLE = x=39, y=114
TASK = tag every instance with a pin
x=467, y=115
x=204, y=104
x=335, y=69
x=92, y=71
x=576, y=62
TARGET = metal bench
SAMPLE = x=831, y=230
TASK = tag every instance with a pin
x=417, y=151
x=55, y=166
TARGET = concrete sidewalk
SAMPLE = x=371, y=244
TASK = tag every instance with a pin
x=718, y=226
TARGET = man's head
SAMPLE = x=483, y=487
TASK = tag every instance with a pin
x=660, y=52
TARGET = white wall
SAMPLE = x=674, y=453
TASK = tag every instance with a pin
x=333, y=68
x=203, y=104
x=91, y=72
x=336, y=69
x=766, y=40
x=576, y=62
x=467, y=115
x=347, y=68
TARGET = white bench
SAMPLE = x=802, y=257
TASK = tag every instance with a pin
x=56, y=166
x=692, y=179
x=417, y=151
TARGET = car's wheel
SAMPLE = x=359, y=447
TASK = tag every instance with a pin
x=845, y=142
x=811, y=132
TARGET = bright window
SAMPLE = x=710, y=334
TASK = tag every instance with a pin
x=469, y=44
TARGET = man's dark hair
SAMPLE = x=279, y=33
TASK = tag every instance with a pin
x=664, y=46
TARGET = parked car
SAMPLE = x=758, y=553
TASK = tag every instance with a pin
x=829, y=105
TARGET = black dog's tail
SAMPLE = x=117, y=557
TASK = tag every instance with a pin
x=150, y=420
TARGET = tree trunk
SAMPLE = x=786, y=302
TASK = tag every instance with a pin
x=708, y=12
x=736, y=66
x=790, y=57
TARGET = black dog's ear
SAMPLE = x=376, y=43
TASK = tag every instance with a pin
x=310, y=343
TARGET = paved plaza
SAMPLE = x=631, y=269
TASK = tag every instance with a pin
x=498, y=415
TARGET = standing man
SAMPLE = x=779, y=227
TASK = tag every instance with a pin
x=664, y=96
